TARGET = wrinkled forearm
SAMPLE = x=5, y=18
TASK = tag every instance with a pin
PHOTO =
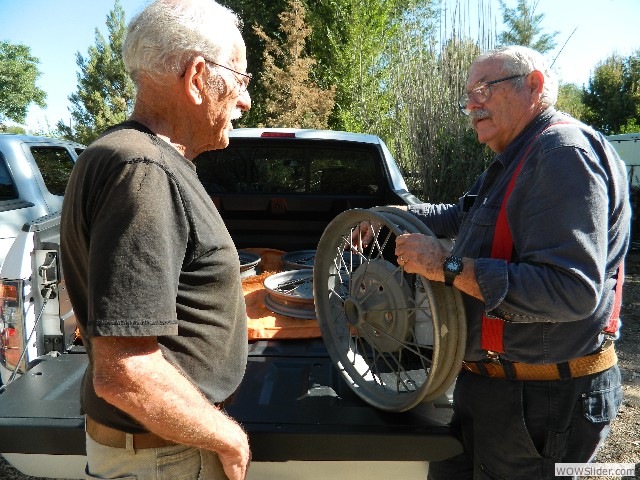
x=133, y=375
x=466, y=282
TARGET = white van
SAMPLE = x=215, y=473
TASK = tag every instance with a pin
x=628, y=147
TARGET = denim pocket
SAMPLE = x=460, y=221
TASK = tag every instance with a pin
x=88, y=476
x=602, y=405
x=178, y=463
x=485, y=474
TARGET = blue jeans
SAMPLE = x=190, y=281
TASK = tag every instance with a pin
x=514, y=430
x=166, y=463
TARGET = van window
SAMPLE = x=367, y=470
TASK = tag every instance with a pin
x=55, y=164
x=7, y=188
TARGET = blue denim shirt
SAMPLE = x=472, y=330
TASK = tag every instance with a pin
x=569, y=216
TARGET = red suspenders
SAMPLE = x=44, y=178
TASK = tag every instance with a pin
x=614, y=319
x=502, y=247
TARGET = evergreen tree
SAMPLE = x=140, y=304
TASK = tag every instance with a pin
x=105, y=92
x=293, y=98
x=265, y=14
x=524, y=27
x=18, y=75
x=350, y=43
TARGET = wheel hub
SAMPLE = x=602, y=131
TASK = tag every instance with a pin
x=378, y=305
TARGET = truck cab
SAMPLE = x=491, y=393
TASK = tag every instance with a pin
x=33, y=176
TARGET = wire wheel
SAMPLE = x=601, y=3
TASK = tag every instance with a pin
x=398, y=339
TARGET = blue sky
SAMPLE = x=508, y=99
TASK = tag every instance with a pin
x=57, y=29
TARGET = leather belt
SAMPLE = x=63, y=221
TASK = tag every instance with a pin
x=111, y=437
x=578, y=367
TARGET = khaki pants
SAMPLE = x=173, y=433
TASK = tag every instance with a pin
x=176, y=462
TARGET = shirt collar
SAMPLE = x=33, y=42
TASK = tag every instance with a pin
x=524, y=137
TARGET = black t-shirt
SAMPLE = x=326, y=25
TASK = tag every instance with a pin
x=146, y=253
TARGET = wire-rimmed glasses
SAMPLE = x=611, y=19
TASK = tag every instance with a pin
x=244, y=83
x=481, y=93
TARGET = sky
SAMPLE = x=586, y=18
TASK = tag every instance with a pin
x=56, y=30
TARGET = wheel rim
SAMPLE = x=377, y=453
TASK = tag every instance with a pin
x=248, y=263
x=391, y=334
x=290, y=293
x=299, y=260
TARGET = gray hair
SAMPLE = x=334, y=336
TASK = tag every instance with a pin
x=162, y=38
x=519, y=60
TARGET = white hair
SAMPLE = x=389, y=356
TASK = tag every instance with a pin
x=162, y=38
x=519, y=60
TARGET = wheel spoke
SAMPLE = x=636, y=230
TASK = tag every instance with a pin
x=404, y=343
x=381, y=355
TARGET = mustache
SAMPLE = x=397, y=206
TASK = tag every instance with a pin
x=479, y=114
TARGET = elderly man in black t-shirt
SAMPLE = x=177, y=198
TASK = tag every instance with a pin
x=151, y=270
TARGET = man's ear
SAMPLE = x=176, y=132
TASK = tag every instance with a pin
x=535, y=82
x=195, y=79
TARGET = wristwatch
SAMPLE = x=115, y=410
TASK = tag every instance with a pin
x=452, y=268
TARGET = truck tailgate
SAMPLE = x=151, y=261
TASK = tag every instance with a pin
x=292, y=401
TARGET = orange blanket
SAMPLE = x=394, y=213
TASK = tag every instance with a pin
x=263, y=323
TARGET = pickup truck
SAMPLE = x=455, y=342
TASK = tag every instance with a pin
x=279, y=190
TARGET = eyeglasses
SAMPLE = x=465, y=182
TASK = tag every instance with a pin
x=244, y=84
x=481, y=93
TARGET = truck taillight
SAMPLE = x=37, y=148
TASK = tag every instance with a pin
x=12, y=335
x=8, y=292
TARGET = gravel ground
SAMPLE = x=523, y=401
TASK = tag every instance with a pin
x=623, y=443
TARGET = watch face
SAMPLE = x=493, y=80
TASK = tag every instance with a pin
x=452, y=267
x=453, y=264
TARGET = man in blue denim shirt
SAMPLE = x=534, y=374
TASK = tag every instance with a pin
x=544, y=387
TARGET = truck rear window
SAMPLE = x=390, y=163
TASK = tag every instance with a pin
x=55, y=164
x=292, y=170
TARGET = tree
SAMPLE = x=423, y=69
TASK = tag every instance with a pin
x=18, y=75
x=524, y=27
x=293, y=99
x=570, y=100
x=612, y=97
x=105, y=92
x=265, y=14
x=442, y=156
x=353, y=41
x=350, y=41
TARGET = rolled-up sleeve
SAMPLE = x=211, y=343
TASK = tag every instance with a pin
x=442, y=219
